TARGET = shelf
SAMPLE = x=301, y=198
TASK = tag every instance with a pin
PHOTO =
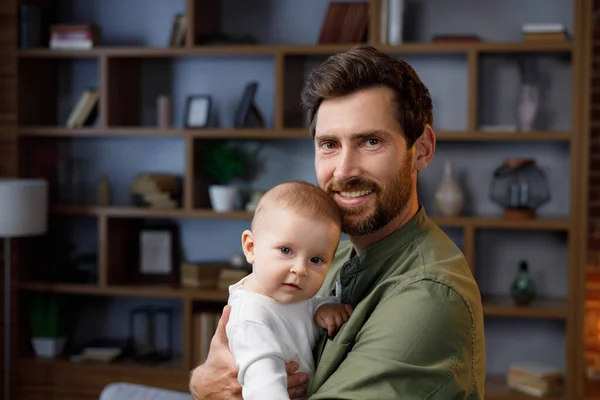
x=40, y=131
x=142, y=212
x=495, y=306
x=561, y=224
x=502, y=306
x=480, y=136
x=75, y=380
x=173, y=366
x=274, y=50
x=153, y=291
x=496, y=389
x=289, y=133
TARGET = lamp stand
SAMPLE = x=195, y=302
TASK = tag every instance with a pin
x=7, y=319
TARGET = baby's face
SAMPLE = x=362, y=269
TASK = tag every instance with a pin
x=292, y=254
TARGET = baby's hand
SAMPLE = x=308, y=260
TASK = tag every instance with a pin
x=332, y=316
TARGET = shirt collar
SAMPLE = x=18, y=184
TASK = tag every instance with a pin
x=358, y=274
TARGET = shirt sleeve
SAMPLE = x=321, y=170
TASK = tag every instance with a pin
x=414, y=346
x=260, y=360
x=318, y=301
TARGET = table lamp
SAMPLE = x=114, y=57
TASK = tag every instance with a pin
x=23, y=212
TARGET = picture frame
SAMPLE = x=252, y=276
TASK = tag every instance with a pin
x=159, y=254
x=247, y=114
x=198, y=111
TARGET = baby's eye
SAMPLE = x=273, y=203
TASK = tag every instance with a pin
x=316, y=260
x=285, y=250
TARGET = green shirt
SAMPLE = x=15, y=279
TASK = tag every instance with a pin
x=416, y=331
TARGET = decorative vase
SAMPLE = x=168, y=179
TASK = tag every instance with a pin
x=222, y=198
x=527, y=107
x=449, y=197
x=48, y=347
x=523, y=289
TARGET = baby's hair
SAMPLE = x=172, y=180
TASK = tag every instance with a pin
x=300, y=197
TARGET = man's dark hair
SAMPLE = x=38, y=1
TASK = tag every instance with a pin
x=364, y=67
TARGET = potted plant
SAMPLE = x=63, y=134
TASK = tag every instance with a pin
x=222, y=165
x=47, y=334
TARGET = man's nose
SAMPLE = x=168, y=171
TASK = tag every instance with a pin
x=348, y=165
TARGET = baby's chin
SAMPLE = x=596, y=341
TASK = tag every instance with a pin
x=290, y=297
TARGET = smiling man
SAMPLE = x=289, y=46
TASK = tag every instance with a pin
x=416, y=331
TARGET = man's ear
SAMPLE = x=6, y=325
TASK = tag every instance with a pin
x=248, y=245
x=424, y=148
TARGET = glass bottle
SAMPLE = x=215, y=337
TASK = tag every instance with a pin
x=523, y=289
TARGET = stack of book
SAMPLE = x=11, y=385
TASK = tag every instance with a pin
x=156, y=190
x=544, y=33
x=74, y=37
x=535, y=379
x=103, y=350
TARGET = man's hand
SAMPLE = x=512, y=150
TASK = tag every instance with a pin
x=217, y=377
x=332, y=316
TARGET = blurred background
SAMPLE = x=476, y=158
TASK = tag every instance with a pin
x=159, y=123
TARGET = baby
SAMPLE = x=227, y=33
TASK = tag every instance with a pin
x=275, y=314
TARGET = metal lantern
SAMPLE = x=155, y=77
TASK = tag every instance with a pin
x=520, y=187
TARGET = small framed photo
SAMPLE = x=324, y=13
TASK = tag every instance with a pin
x=197, y=111
x=158, y=254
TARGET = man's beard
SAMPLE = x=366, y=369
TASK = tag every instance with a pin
x=389, y=202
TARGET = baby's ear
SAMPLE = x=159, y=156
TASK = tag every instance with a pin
x=248, y=246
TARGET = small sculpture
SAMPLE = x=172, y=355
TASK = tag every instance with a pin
x=520, y=187
x=527, y=106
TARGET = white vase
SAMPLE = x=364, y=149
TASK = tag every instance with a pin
x=222, y=198
x=449, y=197
x=527, y=107
x=47, y=347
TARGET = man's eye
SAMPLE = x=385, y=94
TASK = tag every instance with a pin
x=316, y=260
x=372, y=142
x=327, y=146
x=285, y=250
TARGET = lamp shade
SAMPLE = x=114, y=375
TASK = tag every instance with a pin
x=23, y=207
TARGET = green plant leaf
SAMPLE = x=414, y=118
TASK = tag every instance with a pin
x=223, y=163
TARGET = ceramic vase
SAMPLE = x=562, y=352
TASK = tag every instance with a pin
x=527, y=107
x=523, y=289
x=222, y=198
x=449, y=197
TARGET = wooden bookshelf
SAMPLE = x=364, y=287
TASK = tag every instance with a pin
x=117, y=70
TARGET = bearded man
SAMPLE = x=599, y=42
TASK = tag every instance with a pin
x=416, y=330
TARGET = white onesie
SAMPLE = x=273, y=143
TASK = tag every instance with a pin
x=264, y=334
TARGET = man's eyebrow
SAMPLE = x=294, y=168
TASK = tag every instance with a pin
x=357, y=135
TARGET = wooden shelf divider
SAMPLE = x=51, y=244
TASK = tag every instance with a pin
x=306, y=50
x=473, y=90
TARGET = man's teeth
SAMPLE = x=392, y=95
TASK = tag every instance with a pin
x=355, y=194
